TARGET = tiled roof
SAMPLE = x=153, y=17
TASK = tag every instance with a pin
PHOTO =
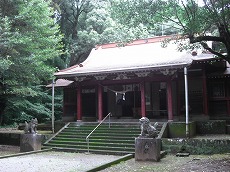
x=146, y=54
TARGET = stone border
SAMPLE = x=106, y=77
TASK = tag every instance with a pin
x=100, y=167
x=25, y=153
x=104, y=166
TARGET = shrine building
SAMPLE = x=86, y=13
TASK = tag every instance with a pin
x=146, y=78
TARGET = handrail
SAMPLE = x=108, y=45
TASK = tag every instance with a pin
x=87, y=138
x=54, y=135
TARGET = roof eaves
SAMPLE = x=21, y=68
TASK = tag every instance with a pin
x=60, y=83
x=124, y=70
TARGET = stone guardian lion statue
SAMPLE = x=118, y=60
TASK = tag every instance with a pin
x=31, y=127
x=147, y=130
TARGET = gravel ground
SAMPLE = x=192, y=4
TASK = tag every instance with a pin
x=54, y=162
x=76, y=162
x=171, y=163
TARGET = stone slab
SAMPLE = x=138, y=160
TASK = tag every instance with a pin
x=147, y=149
x=30, y=142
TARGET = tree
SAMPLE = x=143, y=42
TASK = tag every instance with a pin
x=199, y=22
x=87, y=23
x=29, y=41
x=72, y=14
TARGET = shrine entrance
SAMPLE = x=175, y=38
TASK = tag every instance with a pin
x=124, y=100
x=156, y=100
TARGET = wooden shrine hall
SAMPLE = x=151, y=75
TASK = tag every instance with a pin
x=146, y=78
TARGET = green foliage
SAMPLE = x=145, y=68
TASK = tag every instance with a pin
x=5, y=62
x=200, y=22
x=132, y=14
x=29, y=41
x=87, y=23
x=20, y=109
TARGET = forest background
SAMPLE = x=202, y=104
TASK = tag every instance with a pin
x=39, y=37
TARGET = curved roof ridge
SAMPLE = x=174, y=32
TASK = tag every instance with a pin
x=134, y=42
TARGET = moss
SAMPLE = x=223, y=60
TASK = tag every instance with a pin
x=211, y=127
x=196, y=146
x=178, y=129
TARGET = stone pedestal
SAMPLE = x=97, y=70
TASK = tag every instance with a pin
x=147, y=149
x=30, y=142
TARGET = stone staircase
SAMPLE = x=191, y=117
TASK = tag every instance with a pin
x=119, y=139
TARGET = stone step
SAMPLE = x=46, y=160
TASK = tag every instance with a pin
x=93, y=147
x=102, y=144
x=102, y=129
x=92, y=140
x=118, y=139
x=98, y=137
x=112, y=125
x=123, y=134
x=96, y=151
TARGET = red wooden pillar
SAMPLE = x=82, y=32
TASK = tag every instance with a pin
x=100, y=102
x=143, y=108
x=79, y=103
x=169, y=100
x=178, y=98
x=205, y=97
x=63, y=104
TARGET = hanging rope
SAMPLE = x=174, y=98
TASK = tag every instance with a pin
x=120, y=95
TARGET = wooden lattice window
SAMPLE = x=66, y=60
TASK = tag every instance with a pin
x=217, y=90
x=70, y=96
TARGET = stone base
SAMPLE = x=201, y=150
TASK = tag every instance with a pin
x=30, y=142
x=147, y=149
